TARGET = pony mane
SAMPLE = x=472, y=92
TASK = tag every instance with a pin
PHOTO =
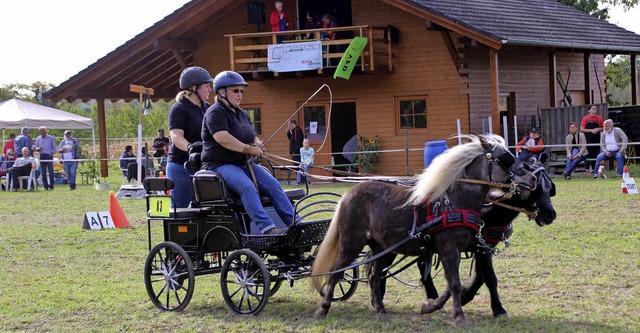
x=435, y=180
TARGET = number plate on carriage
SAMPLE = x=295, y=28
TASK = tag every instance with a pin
x=159, y=206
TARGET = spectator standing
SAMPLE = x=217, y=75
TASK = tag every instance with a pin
x=613, y=143
x=576, y=149
x=70, y=149
x=22, y=167
x=295, y=136
x=160, y=144
x=11, y=144
x=23, y=140
x=311, y=23
x=46, y=146
x=328, y=21
x=530, y=146
x=306, y=160
x=279, y=20
x=185, y=127
x=591, y=125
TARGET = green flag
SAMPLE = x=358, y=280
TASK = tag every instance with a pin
x=350, y=57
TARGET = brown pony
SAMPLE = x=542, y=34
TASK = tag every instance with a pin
x=382, y=215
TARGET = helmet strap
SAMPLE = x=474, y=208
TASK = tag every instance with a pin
x=228, y=102
x=197, y=95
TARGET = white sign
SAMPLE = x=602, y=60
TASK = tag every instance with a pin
x=291, y=57
x=630, y=184
x=313, y=127
x=97, y=221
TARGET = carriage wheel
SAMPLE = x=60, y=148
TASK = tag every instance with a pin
x=244, y=281
x=347, y=286
x=169, y=277
x=275, y=283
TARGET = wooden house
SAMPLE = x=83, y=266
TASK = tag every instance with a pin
x=428, y=66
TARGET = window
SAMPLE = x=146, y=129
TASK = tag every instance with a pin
x=254, y=114
x=411, y=113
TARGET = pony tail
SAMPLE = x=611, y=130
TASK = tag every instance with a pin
x=327, y=252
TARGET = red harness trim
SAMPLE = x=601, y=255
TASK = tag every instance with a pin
x=451, y=219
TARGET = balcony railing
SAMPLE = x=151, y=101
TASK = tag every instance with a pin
x=249, y=51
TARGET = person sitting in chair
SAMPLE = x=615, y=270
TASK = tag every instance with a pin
x=22, y=167
x=530, y=146
x=613, y=146
x=126, y=158
x=576, y=149
x=6, y=162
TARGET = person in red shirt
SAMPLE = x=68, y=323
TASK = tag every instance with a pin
x=591, y=125
x=530, y=146
x=279, y=20
x=11, y=144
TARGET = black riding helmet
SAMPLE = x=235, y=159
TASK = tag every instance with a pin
x=194, y=75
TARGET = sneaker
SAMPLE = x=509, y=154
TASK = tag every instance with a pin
x=618, y=176
x=568, y=177
x=275, y=232
x=565, y=175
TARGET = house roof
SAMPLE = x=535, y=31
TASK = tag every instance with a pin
x=156, y=57
x=543, y=23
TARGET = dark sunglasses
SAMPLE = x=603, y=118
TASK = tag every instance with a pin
x=10, y=155
x=237, y=90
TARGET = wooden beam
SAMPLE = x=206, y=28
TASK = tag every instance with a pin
x=634, y=79
x=453, y=53
x=552, y=79
x=140, y=89
x=176, y=44
x=102, y=136
x=587, y=79
x=495, y=90
x=181, y=60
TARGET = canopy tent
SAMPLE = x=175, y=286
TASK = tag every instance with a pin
x=16, y=113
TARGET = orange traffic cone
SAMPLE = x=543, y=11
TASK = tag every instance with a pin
x=119, y=219
x=625, y=174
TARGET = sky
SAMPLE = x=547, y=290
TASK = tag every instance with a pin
x=52, y=40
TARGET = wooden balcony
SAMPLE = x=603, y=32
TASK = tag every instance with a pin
x=248, y=52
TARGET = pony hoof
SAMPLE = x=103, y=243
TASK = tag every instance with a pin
x=320, y=313
x=502, y=316
x=461, y=322
x=427, y=307
x=383, y=316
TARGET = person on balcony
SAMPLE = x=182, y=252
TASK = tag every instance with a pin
x=279, y=20
x=328, y=21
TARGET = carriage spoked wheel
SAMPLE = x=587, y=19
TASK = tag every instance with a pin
x=275, y=283
x=245, y=282
x=169, y=277
x=347, y=286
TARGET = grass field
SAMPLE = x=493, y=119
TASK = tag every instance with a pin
x=580, y=274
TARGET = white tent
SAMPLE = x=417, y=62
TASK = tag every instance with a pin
x=16, y=113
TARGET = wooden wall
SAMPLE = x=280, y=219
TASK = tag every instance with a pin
x=422, y=67
x=525, y=72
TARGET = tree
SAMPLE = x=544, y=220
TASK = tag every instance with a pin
x=592, y=7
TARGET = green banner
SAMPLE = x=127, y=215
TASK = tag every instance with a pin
x=350, y=57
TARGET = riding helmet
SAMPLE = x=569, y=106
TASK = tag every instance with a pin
x=194, y=75
x=227, y=79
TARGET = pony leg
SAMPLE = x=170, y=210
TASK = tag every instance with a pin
x=378, y=285
x=451, y=265
x=341, y=262
x=470, y=291
x=485, y=262
x=427, y=281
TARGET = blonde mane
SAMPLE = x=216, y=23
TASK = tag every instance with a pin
x=434, y=181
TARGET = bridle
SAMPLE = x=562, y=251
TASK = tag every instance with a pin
x=504, y=159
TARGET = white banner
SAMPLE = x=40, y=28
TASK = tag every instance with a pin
x=291, y=57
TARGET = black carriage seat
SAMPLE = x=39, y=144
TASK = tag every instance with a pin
x=210, y=190
x=158, y=186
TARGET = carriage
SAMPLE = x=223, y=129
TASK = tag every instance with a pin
x=219, y=237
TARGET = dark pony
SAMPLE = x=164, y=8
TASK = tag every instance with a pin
x=382, y=215
x=497, y=228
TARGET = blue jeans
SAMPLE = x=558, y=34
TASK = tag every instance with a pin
x=617, y=156
x=70, y=169
x=572, y=164
x=526, y=154
x=182, y=192
x=45, y=167
x=306, y=170
x=238, y=179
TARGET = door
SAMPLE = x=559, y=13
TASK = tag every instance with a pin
x=329, y=142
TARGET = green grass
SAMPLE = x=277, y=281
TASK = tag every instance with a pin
x=580, y=274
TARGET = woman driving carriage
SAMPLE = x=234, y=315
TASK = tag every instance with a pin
x=185, y=125
x=228, y=140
